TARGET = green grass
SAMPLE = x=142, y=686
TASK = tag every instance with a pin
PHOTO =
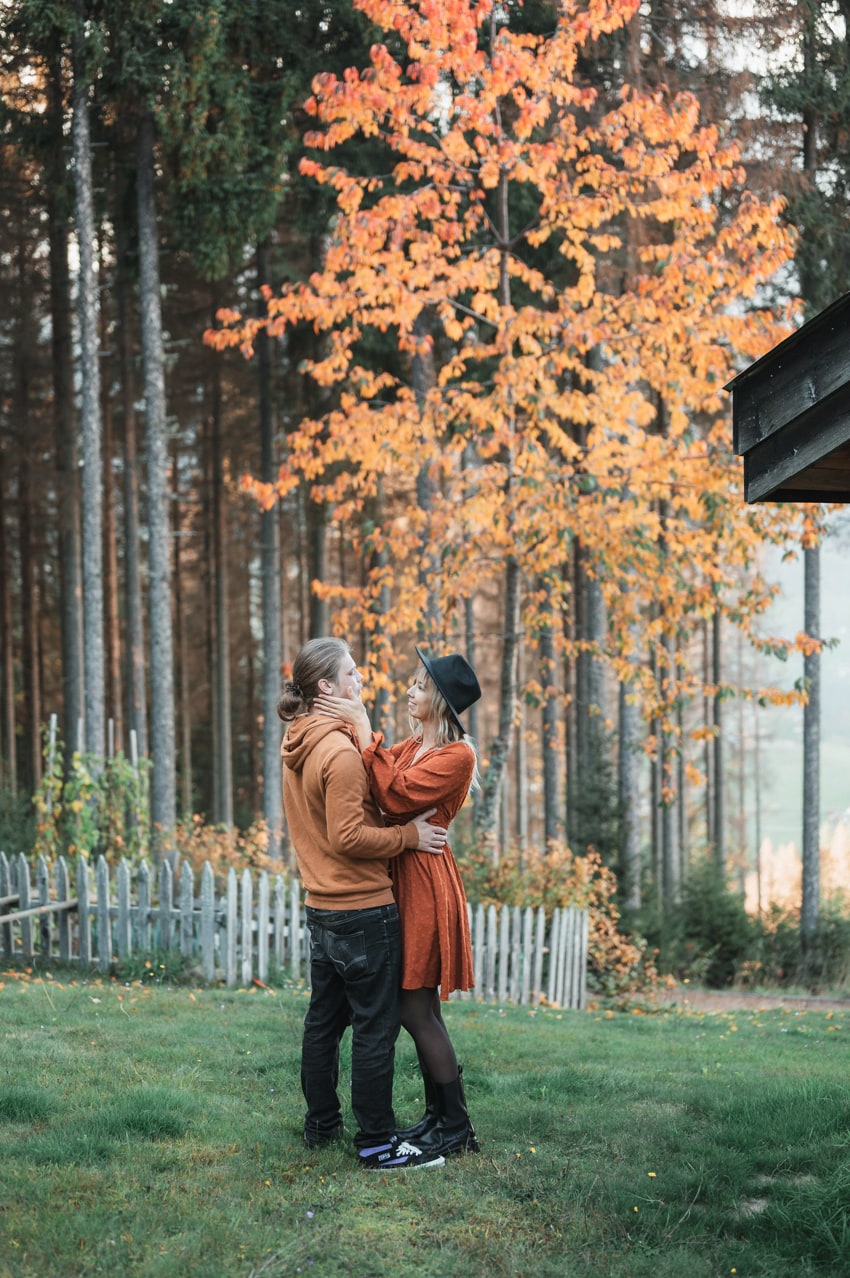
x=154, y=1132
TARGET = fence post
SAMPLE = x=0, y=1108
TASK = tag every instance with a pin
x=263, y=927
x=504, y=944
x=554, y=956
x=539, y=948
x=104, y=917
x=63, y=918
x=247, y=926
x=516, y=953
x=187, y=910
x=42, y=896
x=24, y=902
x=165, y=920
x=584, y=924
x=478, y=947
x=123, y=933
x=488, y=990
x=83, y=910
x=231, y=914
x=143, y=909
x=294, y=930
x=208, y=922
x=527, y=953
x=279, y=922
x=5, y=890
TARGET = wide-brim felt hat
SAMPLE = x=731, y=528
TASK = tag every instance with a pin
x=455, y=680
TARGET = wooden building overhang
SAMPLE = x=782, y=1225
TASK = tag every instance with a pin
x=791, y=414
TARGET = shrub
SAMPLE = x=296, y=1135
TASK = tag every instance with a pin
x=709, y=936
x=197, y=842
x=619, y=966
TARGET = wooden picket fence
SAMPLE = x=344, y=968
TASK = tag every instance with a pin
x=98, y=917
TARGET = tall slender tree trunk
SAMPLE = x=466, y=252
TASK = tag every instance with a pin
x=270, y=569
x=222, y=735
x=30, y=664
x=553, y=826
x=719, y=814
x=493, y=780
x=64, y=424
x=491, y=787
x=810, y=905
x=93, y=657
x=423, y=377
x=184, y=710
x=7, y=639
x=134, y=674
x=114, y=698
x=163, y=787
x=810, y=911
x=669, y=824
x=629, y=797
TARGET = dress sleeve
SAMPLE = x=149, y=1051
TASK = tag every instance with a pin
x=440, y=778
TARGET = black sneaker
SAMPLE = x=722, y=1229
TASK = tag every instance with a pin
x=397, y=1154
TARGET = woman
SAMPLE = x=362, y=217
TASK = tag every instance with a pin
x=433, y=768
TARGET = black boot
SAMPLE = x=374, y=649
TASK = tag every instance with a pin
x=453, y=1132
x=430, y=1116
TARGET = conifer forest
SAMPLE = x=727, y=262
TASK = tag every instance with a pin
x=409, y=321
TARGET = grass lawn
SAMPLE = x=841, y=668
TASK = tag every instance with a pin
x=156, y=1131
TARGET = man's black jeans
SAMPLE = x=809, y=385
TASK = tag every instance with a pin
x=355, y=958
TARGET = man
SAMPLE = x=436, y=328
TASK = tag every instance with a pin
x=343, y=851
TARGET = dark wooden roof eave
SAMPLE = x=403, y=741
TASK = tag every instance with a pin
x=791, y=414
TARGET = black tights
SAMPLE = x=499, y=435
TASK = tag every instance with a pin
x=422, y=1018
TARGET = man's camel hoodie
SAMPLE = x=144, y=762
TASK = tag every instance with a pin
x=341, y=843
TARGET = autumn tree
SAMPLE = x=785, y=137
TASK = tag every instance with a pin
x=504, y=216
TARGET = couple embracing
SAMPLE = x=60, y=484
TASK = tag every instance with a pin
x=386, y=909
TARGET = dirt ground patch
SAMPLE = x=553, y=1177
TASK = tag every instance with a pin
x=691, y=999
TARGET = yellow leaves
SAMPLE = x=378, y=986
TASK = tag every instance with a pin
x=576, y=372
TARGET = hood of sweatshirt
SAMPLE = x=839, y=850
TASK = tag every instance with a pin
x=304, y=734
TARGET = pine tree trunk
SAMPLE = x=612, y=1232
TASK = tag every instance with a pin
x=719, y=814
x=497, y=757
x=424, y=378
x=270, y=569
x=553, y=828
x=30, y=664
x=7, y=634
x=667, y=763
x=134, y=674
x=92, y=496
x=64, y=426
x=163, y=787
x=810, y=910
x=114, y=699
x=629, y=797
x=184, y=711
x=222, y=734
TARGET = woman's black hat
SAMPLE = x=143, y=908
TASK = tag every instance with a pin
x=455, y=681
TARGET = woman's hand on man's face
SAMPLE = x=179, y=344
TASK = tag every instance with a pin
x=351, y=709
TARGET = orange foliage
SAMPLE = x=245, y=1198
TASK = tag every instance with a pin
x=223, y=847
x=583, y=276
x=619, y=966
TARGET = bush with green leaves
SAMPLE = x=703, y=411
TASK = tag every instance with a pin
x=91, y=806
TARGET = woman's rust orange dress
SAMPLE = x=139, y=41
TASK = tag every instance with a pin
x=436, y=945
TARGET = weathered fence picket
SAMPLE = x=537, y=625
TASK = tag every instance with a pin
x=255, y=926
